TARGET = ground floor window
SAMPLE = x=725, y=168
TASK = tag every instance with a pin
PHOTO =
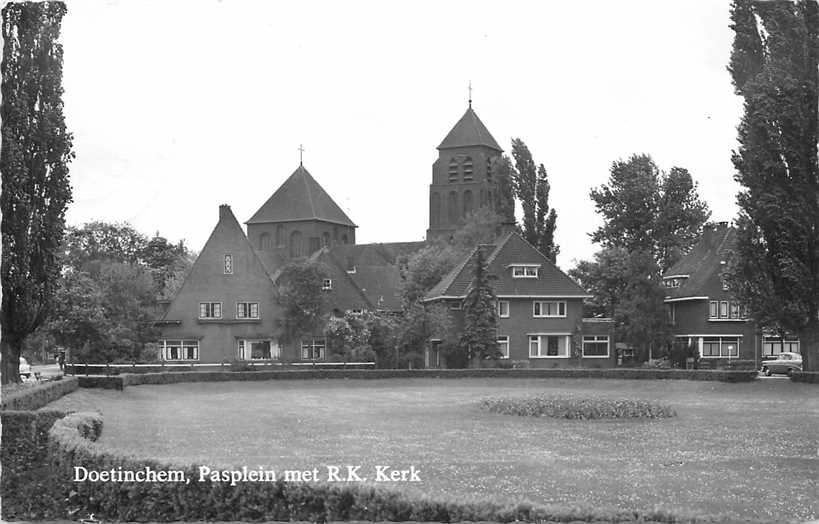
x=257, y=349
x=596, y=346
x=313, y=349
x=776, y=345
x=174, y=349
x=549, y=346
x=720, y=347
x=503, y=345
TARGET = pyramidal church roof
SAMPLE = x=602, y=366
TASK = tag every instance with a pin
x=300, y=197
x=469, y=131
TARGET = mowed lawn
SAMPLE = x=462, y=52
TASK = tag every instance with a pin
x=742, y=450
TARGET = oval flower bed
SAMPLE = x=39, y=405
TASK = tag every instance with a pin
x=583, y=408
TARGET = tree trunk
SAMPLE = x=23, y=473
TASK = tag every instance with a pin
x=809, y=347
x=10, y=361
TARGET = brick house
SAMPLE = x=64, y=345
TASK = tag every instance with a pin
x=539, y=308
x=705, y=314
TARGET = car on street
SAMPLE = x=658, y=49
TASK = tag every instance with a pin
x=785, y=363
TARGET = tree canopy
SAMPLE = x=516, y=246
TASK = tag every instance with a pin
x=34, y=157
x=774, y=66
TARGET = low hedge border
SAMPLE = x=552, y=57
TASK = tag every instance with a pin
x=116, y=369
x=128, y=379
x=577, y=408
x=811, y=377
x=70, y=443
x=35, y=397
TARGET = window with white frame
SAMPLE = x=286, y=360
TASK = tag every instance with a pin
x=455, y=306
x=776, y=345
x=210, y=310
x=247, y=310
x=174, y=349
x=327, y=284
x=503, y=345
x=713, y=309
x=723, y=309
x=257, y=349
x=228, y=264
x=720, y=347
x=549, y=346
x=595, y=346
x=524, y=271
x=727, y=309
x=549, y=309
x=313, y=349
x=503, y=308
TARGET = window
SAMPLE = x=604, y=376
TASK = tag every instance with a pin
x=776, y=345
x=327, y=284
x=179, y=349
x=453, y=170
x=315, y=244
x=467, y=201
x=467, y=167
x=725, y=286
x=262, y=349
x=247, y=310
x=455, y=305
x=312, y=349
x=228, y=264
x=552, y=309
x=596, y=346
x=720, y=347
x=734, y=313
x=503, y=308
x=549, y=346
x=295, y=244
x=325, y=239
x=713, y=309
x=452, y=207
x=264, y=242
x=723, y=309
x=279, y=236
x=524, y=271
x=210, y=310
x=489, y=168
x=503, y=345
x=434, y=209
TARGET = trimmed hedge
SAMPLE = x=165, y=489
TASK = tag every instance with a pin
x=35, y=397
x=102, y=369
x=273, y=501
x=27, y=484
x=811, y=377
x=128, y=379
x=581, y=408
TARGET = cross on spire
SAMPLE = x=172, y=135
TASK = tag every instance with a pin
x=470, y=94
x=301, y=152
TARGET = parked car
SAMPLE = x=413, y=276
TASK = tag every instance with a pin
x=25, y=368
x=785, y=363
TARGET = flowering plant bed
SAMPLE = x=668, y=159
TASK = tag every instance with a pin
x=583, y=408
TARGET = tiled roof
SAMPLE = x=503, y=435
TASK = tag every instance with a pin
x=300, y=197
x=510, y=249
x=469, y=131
x=704, y=264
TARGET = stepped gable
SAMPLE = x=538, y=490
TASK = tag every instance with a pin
x=705, y=263
x=510, y=249
x=469, y=131
x=300, y=197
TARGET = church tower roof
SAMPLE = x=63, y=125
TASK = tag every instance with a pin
x=300, y=197
x=469, y=131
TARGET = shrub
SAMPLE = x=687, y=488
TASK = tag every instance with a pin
x=35, y=397
x=577, y=407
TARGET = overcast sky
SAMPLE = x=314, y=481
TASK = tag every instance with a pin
x=179, y=106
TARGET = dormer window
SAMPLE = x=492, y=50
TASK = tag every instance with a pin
x=525, y=270
x=674, y=281
x=228, y=264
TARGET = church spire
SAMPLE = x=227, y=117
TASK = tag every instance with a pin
x=301, y=152
x=470, y=94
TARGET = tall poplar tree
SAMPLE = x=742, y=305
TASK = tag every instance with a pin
x=531, y=186
x=480, y=334
x=34, y=157
x=774, y=66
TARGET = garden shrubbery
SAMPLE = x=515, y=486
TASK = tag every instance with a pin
x=583, y=408
x=35, y=397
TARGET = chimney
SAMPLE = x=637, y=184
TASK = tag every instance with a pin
x=224, y=211
x=708, y=234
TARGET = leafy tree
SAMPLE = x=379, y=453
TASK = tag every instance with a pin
x=503, y=193
x=36, y=150
x=98, y=240
x=531, y=186
x=426, y=268
x=482, y=226
x=603, y=278
x=299, y=294
x=774, y=63
x=479, y=336
x=646, y=210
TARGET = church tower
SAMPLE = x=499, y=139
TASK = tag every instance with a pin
x=462, y=175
